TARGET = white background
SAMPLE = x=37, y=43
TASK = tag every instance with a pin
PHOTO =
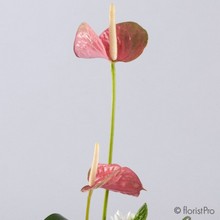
x=54, y=107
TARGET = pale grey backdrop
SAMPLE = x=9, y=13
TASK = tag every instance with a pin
x=54, y=107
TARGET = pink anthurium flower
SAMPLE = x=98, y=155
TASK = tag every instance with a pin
x=131, y=41
x=116, y=178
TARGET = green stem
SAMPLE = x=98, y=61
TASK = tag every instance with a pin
x=111, y=141
x=105, y=205
x=88, y=204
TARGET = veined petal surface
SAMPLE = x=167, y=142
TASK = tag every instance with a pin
x=131, y=40
x=87, y=43
x=116, y=178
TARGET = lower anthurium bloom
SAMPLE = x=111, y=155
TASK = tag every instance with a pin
x=131, y=41
x=115, y=178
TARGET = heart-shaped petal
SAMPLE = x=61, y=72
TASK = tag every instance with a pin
x=116, y=178
x=131, y=40
x=87, y=43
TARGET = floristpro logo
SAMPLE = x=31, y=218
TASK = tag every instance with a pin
x=188, y=212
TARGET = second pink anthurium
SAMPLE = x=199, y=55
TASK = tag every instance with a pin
x=131, y=41
x=116, y=178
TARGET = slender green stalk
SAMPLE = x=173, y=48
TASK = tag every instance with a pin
x=88, y=204
x=105, y=205
x=111, y=141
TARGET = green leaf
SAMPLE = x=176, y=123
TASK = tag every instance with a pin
x=142, y=213
x=55, y=217
x=187, y=218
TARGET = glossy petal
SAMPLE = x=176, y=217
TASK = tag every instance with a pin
x=87, y=44
x=131, y=40
x=116, y=178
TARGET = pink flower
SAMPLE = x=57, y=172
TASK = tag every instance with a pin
x=131, y=41
x=115, y=178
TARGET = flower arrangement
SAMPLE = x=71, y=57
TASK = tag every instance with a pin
x=122, y=42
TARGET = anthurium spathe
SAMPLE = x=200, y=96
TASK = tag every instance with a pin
x=131, y=41
x=116, y=178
